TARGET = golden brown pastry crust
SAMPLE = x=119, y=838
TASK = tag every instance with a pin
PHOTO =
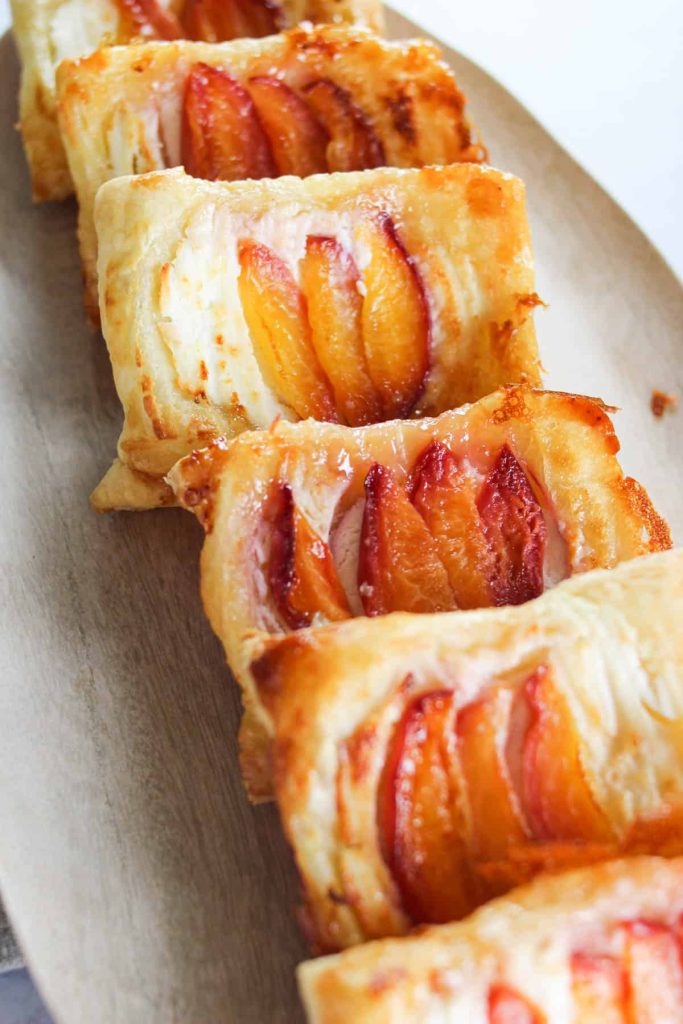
x=526, y=942
x=567, y=443
x=48, y=31
x=122, y=487
x=120, y=109
x=331, y=698
x=173, y=319
x=47, y=161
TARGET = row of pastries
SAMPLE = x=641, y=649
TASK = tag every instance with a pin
x=453, y=618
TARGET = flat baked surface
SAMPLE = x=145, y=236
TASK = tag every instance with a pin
x=119, y=788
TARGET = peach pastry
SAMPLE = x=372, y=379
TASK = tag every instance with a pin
x=425, y=763
x=491, y=504
x=49, y=31
x=306, y=101
x=599, y=945
x=350, y=298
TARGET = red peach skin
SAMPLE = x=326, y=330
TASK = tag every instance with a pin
x=222, y=138
x=301, y=572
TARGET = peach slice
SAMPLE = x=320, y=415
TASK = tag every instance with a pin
x=655, y=977
x=495, y=816
x=212, y=21
x=509, y=1007
x=222, y=137
x=418, y=817
x=445, y=495
x=515, y=529
x=263, y=17
x=556, y=797
x=329, y=281
x=353, y=145
x=660, y=833
x=276, y=315
x=301, y=572
x=598, y=988
x=396, y=321
x=150, y=19
x=216, y=21
x=297, y=139
x=399, y=568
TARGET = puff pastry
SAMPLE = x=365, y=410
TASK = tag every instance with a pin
x=486, y=505
x=425, y=763
x=601, y=945
x=49, y=31
x=326, y=99
x=350, y=297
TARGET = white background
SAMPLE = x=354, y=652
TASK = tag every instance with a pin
x=604, y=76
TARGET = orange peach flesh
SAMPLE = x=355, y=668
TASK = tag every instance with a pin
x=221, y=136
x=277, y=318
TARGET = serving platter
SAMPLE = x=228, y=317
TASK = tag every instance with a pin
x=141, y=885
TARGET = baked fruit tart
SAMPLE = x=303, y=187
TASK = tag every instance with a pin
x=352, y=298
x=425, y=763
x=600, y=945
x=491, y=504
x=49, y=31
x=311, y=100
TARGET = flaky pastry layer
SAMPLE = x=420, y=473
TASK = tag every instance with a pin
x=584, y=947
x=581, y=513
x=423, y=764
x=121, y=109
x=180, y=260
x=49, y=31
